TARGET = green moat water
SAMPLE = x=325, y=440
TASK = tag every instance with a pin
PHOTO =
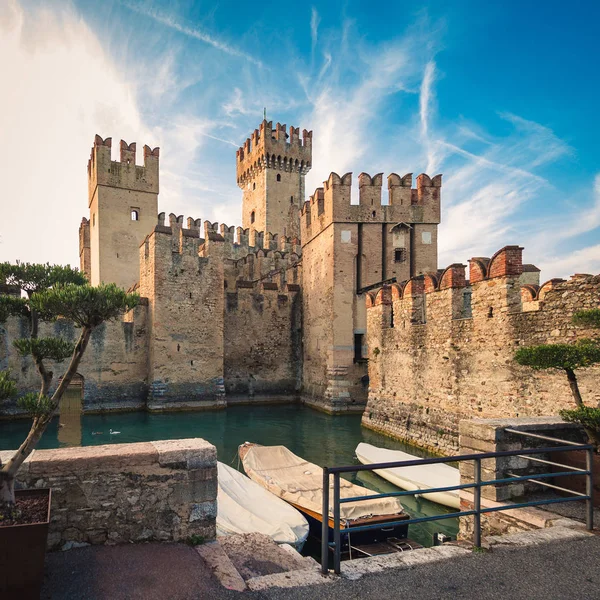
x=317, y=437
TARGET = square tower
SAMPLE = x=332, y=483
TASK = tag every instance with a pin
x=271, y=167
x=123, y=203
x=348, y=249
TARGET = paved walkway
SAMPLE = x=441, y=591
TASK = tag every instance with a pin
x=566, y=569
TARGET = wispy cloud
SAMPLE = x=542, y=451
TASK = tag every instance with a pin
x=193, y=32
x=314, y=28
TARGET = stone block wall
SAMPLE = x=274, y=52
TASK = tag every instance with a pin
x=113, y=369
x=262, y=340
x=120, y=493
x=442, y=349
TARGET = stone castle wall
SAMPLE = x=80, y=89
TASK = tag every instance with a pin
x=262, y=340
x=114, y=367
x=119, y=493
x=441, y=351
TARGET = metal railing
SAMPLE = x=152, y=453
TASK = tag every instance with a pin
x=476, y=485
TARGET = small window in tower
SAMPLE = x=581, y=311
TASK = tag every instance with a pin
x=254, y=186
x=291, y=199
x=278, y=176
x=400, y=255
x=252, y=217
x=135, y=214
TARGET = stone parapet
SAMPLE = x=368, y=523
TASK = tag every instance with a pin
x=119, y=493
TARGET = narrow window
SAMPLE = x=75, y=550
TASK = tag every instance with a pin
x=358, y=347
x=254, y=186
x=400, y=255
x=467, y=308
x=135, y=215
x=374, y=214
x=252, y=217
x=291, y=199
x=490, y=312
x=278, y=177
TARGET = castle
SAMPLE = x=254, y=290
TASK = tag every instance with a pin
x=335, y=301
x=275, y=307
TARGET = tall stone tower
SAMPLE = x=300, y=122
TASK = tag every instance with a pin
x=271, y=166
x=123, y=202
x=348, y=249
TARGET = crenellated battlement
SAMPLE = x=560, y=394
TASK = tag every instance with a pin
x=269, y=148
x=237, y=243
x=334, y=202
x=124, y=173
x=496, y=290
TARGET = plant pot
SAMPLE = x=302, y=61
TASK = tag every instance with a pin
x=22, y=554
x=577, y=458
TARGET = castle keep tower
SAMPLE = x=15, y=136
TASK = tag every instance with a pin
x=271, y=166
x=123, y=203
x=346, y=250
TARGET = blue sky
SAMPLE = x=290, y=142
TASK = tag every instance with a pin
x=500, y=97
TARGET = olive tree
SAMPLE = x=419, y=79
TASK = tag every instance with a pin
x=569, y=358
x=49, y=293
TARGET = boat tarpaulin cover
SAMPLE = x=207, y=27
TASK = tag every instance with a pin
x=418, y=477
x=297, y=481
x=246, y=507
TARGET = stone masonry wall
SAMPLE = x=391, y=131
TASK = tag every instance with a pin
x=436, y=357
x=114, y=367
x=262, y=340
x=185, y=291
x=114, y=494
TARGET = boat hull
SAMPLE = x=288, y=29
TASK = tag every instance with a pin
x=378, y=534
x=407, y=478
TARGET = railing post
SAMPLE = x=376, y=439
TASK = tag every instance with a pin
x=325, y=524
x=337, y=557
x=589, y=484
x=477, y=503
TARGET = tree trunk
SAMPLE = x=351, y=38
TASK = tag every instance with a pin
x=10, y=468
x=7, y=490
x=591, y=433
x=574, y=387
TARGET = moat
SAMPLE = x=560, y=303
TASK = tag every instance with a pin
x=320, y=438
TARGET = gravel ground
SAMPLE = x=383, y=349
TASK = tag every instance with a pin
x=171, y=571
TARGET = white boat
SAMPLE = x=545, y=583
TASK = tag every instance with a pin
x=246, y=507
x=413, y=478
x=300, y=483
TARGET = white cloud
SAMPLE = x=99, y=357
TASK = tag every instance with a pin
x=314, y=27
x=169, y=21
x=63, y=90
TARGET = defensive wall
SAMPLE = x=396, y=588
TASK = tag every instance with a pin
x=113, y=370
x=122, y=493
x=441, y=348
x=219, y=316
x=346, y=248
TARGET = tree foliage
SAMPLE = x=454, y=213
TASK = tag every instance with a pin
x=56, y=349
x=583, y=353
x=588, y=416
x=8, y=387
x=32, y=278
x=12, y=306
x=84, y=305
